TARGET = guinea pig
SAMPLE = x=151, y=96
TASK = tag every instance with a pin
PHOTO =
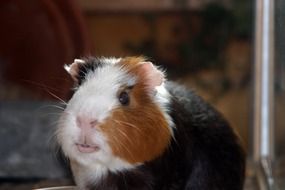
x=127, y=127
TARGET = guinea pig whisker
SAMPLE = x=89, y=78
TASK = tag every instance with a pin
x=128, y=124
x=52, y=114
x=53, y=143
x=57, y=123
x=53, y=95
x=52, y=106
x=59, y=107
x=124, y=134
x=56, y=97
x=128, y=139
x=47, y=89
x=56, y=132
x=121, y=145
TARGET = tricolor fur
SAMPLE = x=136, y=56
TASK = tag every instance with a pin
x=165, y=137
x=125, y=135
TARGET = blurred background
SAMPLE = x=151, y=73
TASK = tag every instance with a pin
x=207, y=45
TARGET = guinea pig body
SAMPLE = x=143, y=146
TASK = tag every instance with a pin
x=126, y=127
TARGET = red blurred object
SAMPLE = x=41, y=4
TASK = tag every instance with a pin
x=37, y=38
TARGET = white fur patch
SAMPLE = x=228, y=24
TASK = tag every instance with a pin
x=162, y=98
x=95, y=98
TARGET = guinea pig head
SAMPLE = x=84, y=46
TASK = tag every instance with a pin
x=117, y=116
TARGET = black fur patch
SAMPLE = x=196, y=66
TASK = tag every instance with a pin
x=139, y=179
x=91, y=64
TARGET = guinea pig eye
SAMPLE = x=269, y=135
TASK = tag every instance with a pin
x=124, y=98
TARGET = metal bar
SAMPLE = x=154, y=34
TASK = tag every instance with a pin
x=267, y=79
x=264, y=64
x=263, y=93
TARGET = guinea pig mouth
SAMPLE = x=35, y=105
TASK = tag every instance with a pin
x=86, y=148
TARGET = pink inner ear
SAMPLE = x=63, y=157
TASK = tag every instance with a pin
x=154, y=76
x=73, y=70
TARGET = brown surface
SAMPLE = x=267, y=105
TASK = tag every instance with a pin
x=37, y=38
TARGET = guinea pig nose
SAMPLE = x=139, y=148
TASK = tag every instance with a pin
x=86, y=122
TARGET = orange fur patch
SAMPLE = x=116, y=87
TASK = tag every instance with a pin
x=138, y=132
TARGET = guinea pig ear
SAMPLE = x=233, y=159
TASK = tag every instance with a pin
x=73, y=68
x=154, y=76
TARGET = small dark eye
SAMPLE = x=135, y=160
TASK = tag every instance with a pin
x=124, y=98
